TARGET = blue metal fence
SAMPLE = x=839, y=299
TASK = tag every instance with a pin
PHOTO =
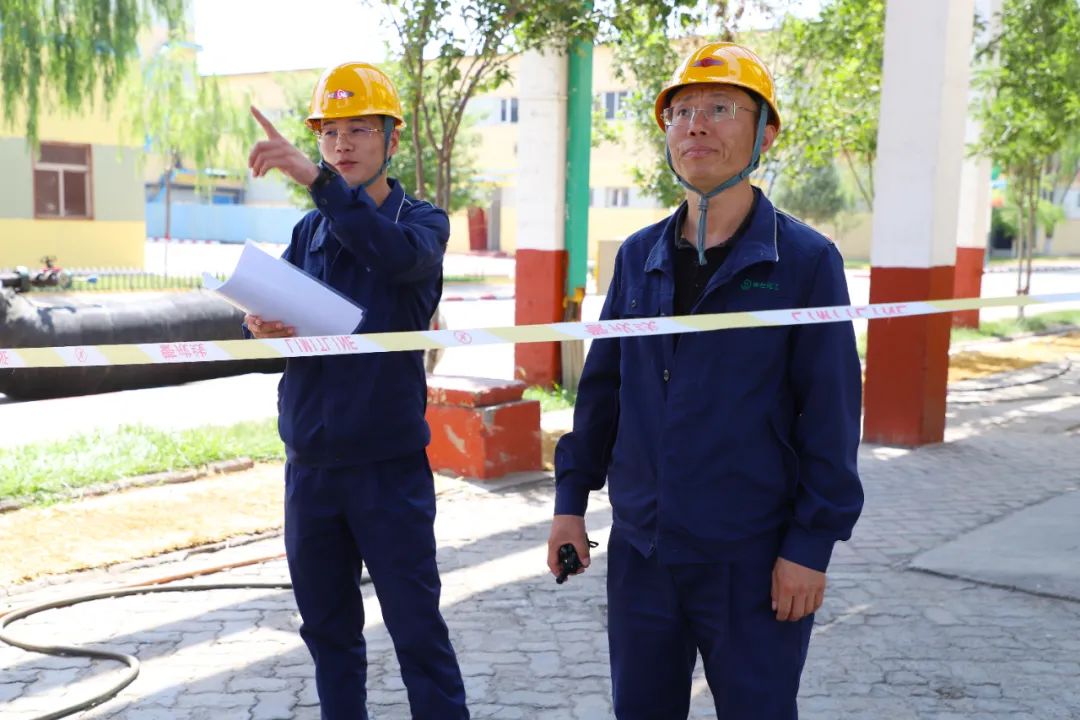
x=223, y=223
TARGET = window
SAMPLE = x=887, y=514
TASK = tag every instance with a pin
x=617, y=197
x=62, y=181
x=508, y=110
x=615, y=107
x=609, y=197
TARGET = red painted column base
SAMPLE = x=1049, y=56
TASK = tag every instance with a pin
x=540, y=289
x=968, y=283
x=482, y=428
x=907, y=360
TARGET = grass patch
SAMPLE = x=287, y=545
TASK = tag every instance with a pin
x=462, y=279
x=477, y=280
x=1000, y=328
x=1014, y=326
x=557, y=398
x=1038, y=261
x=44, y=471
x=127, y=282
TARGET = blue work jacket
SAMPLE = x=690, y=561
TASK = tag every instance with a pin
x=729, y=438
x=350, y=409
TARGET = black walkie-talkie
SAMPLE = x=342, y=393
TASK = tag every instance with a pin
x=569, y=562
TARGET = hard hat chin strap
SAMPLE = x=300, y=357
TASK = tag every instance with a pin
x=388, y=129
x=703, y=203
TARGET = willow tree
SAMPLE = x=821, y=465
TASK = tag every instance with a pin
x=71, y=52
x=184, y=118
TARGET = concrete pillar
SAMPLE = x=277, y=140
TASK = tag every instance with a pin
x=973, y=212
x=917, y=179
x=541, y=264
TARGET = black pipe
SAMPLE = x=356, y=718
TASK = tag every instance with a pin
x=62, y=320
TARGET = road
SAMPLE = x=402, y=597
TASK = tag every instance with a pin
x=230, y=400
x=890, y=642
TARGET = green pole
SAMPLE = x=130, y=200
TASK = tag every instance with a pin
x=578, y=148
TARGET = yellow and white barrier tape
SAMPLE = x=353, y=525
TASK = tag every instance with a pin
x=215, y=350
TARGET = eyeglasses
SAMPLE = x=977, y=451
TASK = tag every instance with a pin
x=717, y=112
x=353, y=133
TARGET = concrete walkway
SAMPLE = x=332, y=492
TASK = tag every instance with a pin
x=891, y=642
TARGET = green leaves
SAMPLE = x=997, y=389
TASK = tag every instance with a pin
x=177, y=113
x=1029, y=79
x=473, y=58
x=68, y=52
x=829, y=77
x=1031, y=89
x=815, y=195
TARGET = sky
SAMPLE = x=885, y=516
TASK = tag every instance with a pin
x=242, y=36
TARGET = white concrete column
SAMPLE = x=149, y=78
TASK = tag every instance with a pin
x=540, y=274
x=973, y=212
x=541, y=179
x=921, y=132
x=917, y=189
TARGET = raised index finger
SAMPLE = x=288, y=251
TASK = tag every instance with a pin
x=267, y=126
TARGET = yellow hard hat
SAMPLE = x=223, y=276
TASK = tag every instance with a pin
x=722, y=62
x=351, y=90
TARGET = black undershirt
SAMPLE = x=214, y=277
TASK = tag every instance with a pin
x=690, y=277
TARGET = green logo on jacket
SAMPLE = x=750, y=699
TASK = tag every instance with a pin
x=749, y=284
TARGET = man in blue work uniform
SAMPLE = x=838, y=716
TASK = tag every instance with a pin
x=730, y=456
x=358, y=486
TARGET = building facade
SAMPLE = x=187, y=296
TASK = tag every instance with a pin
x=77, y=197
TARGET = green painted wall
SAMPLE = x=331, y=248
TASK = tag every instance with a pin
x=118, y=186
x=118, y=192
x=16, y=179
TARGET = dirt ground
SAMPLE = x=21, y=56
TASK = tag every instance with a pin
x=148, y=521
x=993, y=358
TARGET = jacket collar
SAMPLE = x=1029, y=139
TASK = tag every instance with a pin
x=395, y=202
x=757, y=244
x=391, y=209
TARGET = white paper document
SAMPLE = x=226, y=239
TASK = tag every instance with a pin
x=274, y=289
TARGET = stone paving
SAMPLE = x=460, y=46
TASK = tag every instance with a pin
x=890, y=643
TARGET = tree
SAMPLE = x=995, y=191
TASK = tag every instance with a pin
x=1030, y=81
x=1062, y=171
x=830, y=79
x=182, y=116
x=813, y=194
x=446, y=64
x=463, y=185
x=75, y=50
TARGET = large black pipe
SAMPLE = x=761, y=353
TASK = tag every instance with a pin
x=56, y=320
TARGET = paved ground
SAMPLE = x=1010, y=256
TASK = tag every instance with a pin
x=891, y=643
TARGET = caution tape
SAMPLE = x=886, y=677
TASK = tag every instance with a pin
x=218, y=350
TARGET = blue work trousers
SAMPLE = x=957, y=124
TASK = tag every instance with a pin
x=381, y=514
x=661, y=616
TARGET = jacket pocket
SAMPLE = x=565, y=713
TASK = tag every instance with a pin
x=781, y=429
x=638, y=301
